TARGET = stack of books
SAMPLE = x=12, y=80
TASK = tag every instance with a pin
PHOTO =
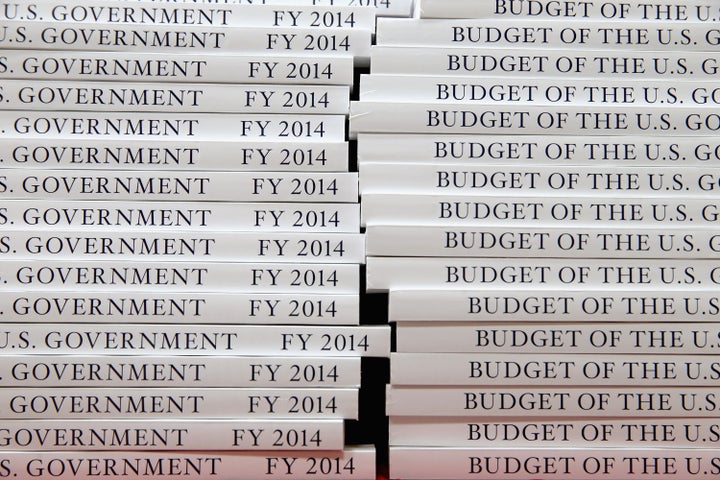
x=181, y=241
x=539, y=185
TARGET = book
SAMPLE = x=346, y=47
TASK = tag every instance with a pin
x=68, y=306
x=179, y=403
x=626, y=305
x=172, y=435
x=150, y=339
x=689, y=338
x=176, y=371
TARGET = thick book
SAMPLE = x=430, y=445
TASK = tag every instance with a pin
x=184, y=246
x=57, y=95
x=536, y=62
x=629, y=150
x=177, y=67
x=123, y=339
x=192, y=14
x=197, y=216
x=557, y=463
x=178, y=403
x=583, y=337
x=546, y=370
x=188, y=155
x=101, y=371
x=591, y=211
x=520, y=33
x=693, y=10
x=69, y=306
x=565, y=402
x=625, y=305
x=405, y=178
x=688, y=432
x=126, y=276
x=391, y=273
x=350, y=463
x=553, y=241
x=531, y=119
x=173, y=435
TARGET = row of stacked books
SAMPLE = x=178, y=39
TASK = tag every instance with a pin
x=181, y=240
x=539, y=185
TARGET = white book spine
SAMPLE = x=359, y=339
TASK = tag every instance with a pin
x=544, y=63
x=538, y=150
x=387, y=273
x=570, y=242
x=226, y=14
x=455, y=178
x=180, y=186
x=122, y=339
x=102, y=371
x=591, y=402
x=198, y=216
x=185, y=39
x=630, y=35
x=596, y=338
x=176, y=67
x=178, y=308
x=630, y=305
x=455, y=369
x=150, y=97
x=167, y=276
x=491, y=433
x=694, y=10
x=562, y=464
x=178, y=403
x=203, y=126
x=383, y=117
x=185, y=247
x=543, y=91
x=172, y=435
x=452, y=210
x=350, y=463
x=162, y=155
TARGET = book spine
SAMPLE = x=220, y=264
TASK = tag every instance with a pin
x=178, y=307
x=694, y=10
x=192, y=97
x=396, y=117
x=544, y=63
x=626, y=433
x=349, y=463
x=570, y=242
x=630, y=35
x=386, y=273
x=627, y=305
x=168, y=276
x=186, y=155
x=441, y=210
x=198, y=216
x=101, y=371
x=545, y=370
x=176, y=67
x=172, y=435
x=167, y=126
x=185, y=39
x=228, y=14
x=143, y=339
x=628, y=150
x=179, y=403
x=656, y=402
x=230, y=247
x=597, y=338
x=562, y=464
